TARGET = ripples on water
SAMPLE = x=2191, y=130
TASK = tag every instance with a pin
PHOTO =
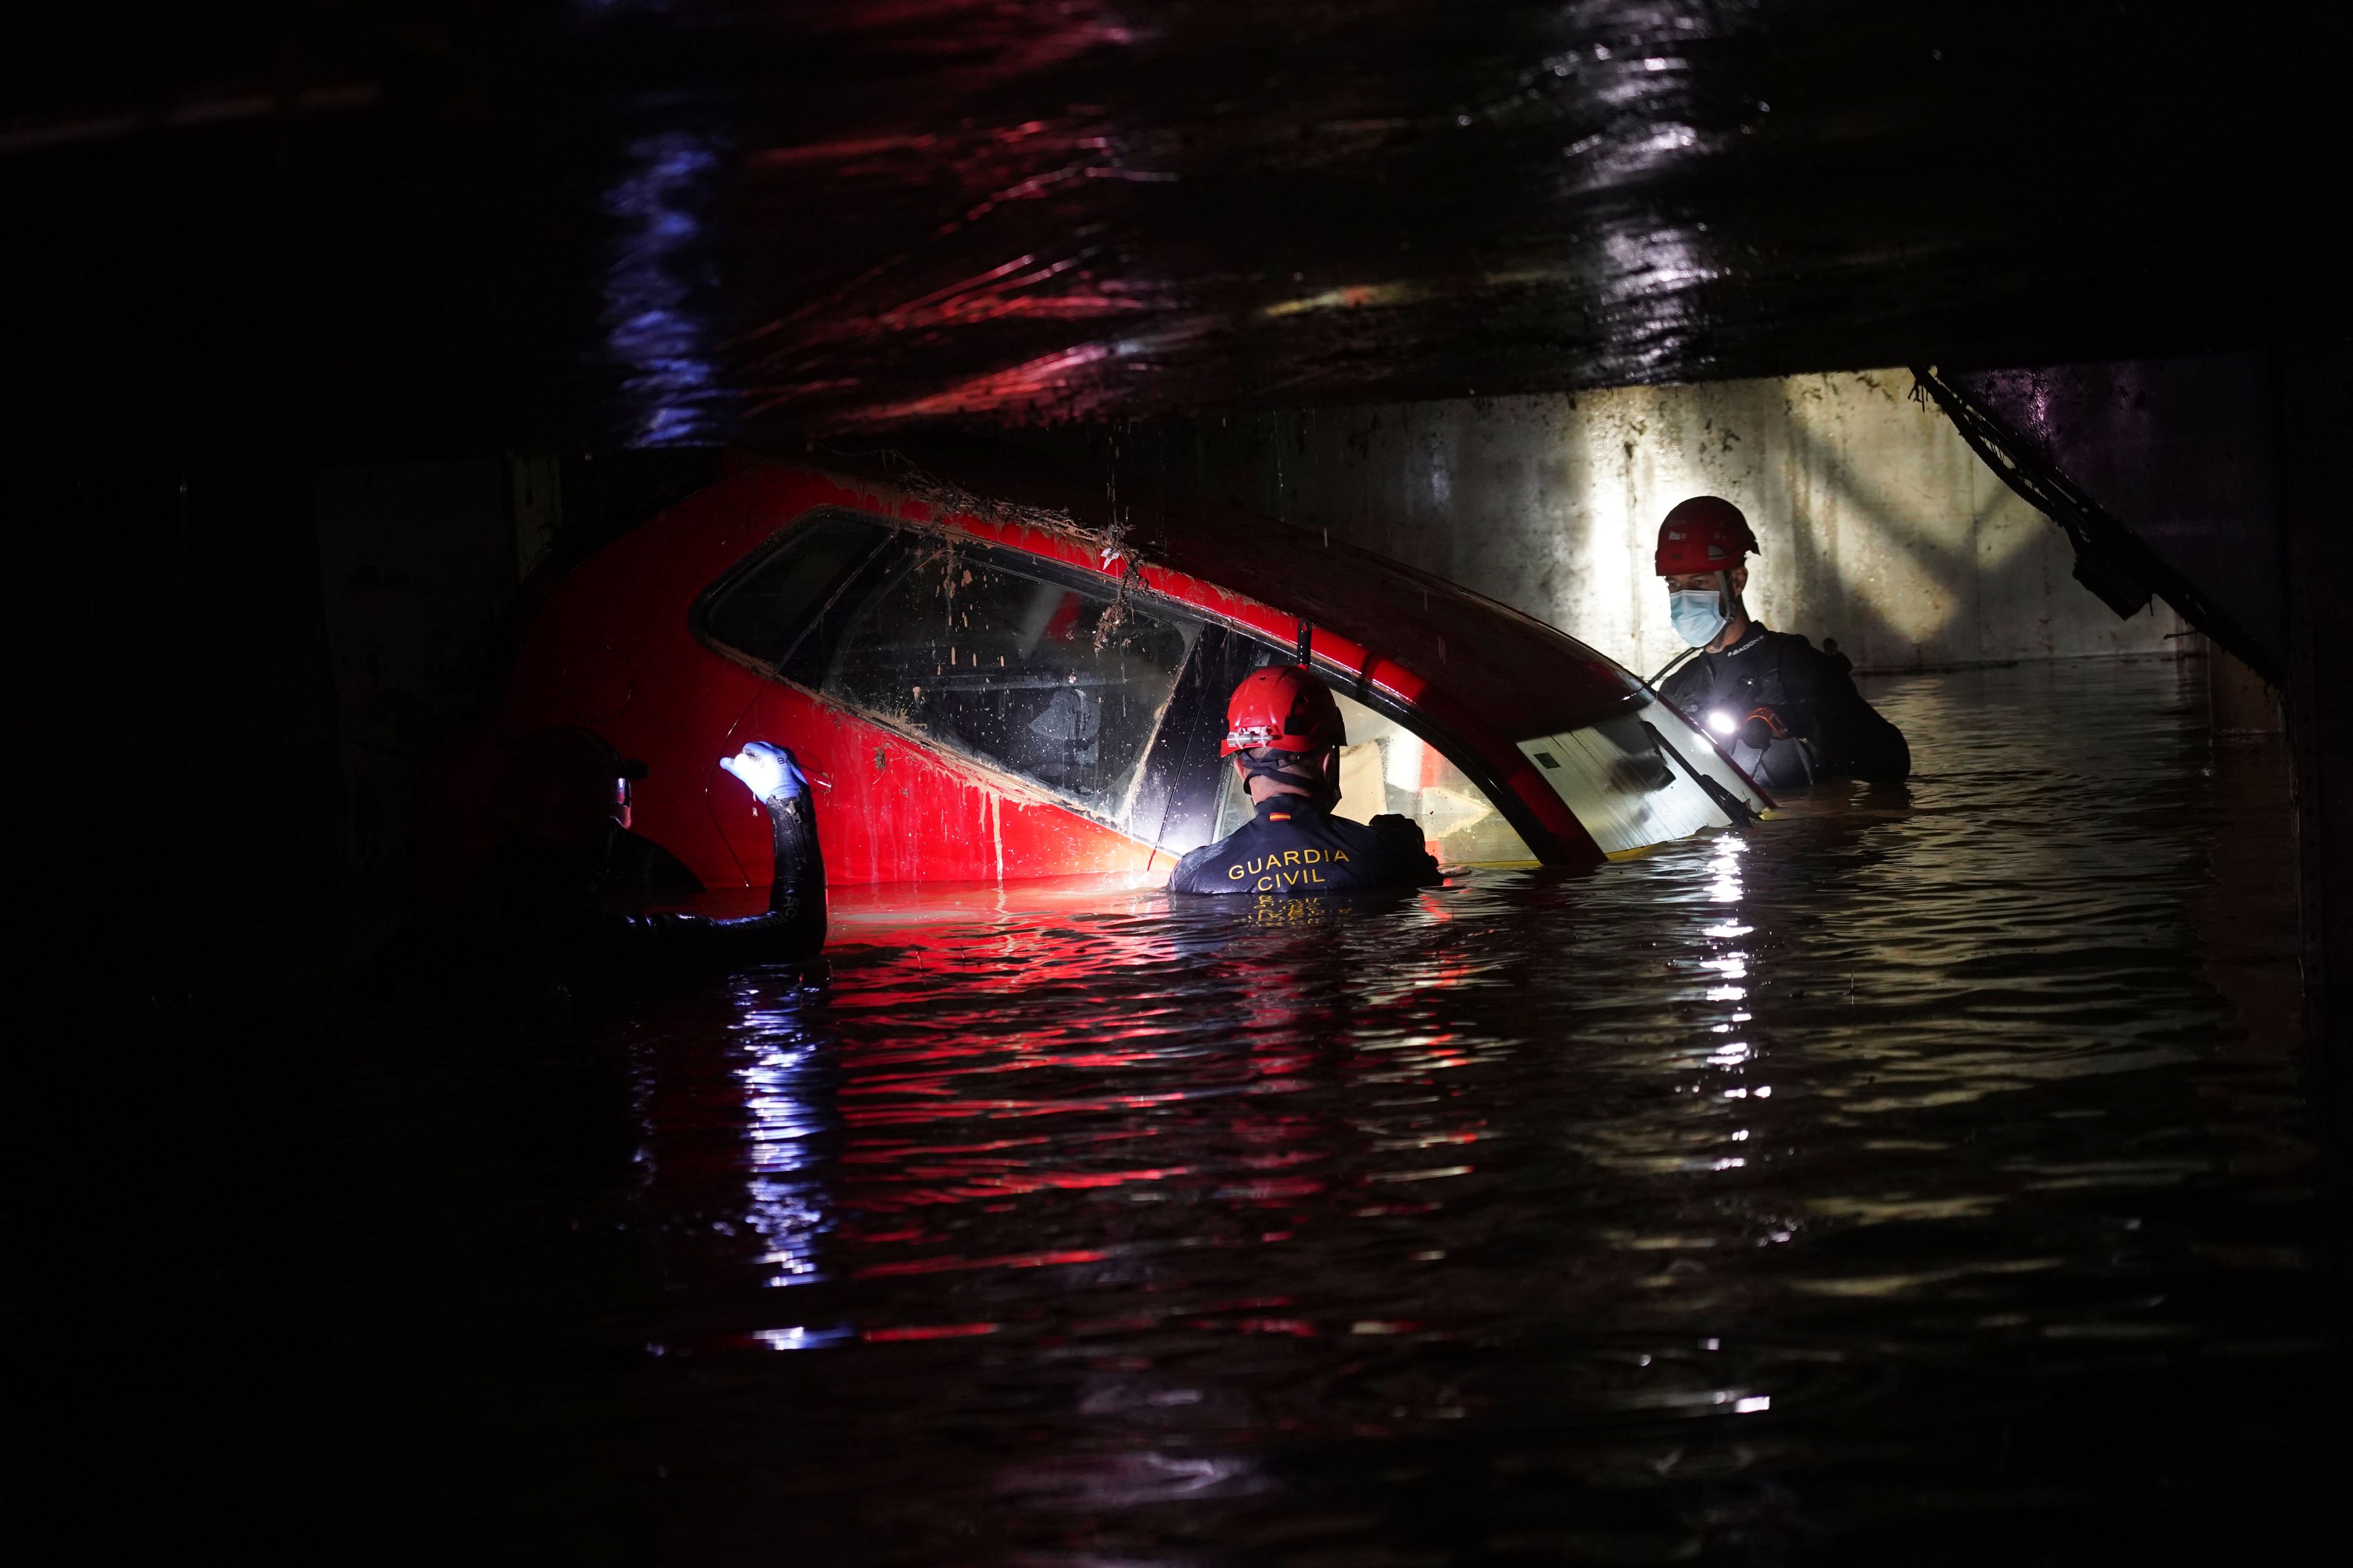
x=1903, y=1179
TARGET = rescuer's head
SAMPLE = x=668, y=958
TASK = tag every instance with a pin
x=1701, y=545
x=563, y=785
x=1284, y=735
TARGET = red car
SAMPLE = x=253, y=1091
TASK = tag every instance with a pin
x=995, y=681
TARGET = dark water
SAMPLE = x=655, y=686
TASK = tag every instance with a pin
x=1908, y=1179
x=245, y=232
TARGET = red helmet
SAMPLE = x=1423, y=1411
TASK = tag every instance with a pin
x=1282, y=707
x=1705, y=534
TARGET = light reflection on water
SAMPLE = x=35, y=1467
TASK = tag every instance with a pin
x=661, y=318
x=1801, y=1188
x=787, y=1208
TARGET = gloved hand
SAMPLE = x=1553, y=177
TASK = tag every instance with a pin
x=1762, y=728
x=769, y=772
x=1402, y=834
x=1402, y=837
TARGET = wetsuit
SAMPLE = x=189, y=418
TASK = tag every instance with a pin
x=615, y=868
x=1295, y=848
x=1831, y=730
x=537, y=911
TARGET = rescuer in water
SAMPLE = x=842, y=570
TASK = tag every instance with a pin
x=1787, y=711
x=555, y=898
x=1284, y=735
x=564, y=797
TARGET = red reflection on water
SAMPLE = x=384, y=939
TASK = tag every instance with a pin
x=932, y=1331
x=1017, y=1260
x=1151, y=1057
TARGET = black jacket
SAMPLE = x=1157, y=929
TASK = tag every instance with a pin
x=1832, y=732
x=536, y=911
x=1294, y=848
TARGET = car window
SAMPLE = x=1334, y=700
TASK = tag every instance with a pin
x=1052, y=677
x=780, y=599
x=1385, y=767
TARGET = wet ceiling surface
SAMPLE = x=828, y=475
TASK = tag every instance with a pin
x=330, y=228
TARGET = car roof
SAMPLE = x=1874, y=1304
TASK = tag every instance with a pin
x=1467, y=661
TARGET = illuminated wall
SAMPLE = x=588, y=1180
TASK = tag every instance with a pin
x=1879, y=527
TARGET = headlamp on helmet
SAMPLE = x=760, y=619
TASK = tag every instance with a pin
x=1282, y=708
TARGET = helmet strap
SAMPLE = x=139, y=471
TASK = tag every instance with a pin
x=1728, y=599
x=1262, y=765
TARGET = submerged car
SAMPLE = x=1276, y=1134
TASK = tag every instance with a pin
x=995, y=676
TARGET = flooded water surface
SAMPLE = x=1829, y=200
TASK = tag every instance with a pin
x=1915, y=1177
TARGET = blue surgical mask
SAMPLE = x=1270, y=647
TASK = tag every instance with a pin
x=1698, y=614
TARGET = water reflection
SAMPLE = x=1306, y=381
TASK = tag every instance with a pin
x=662, y=312
x=780, y=1075
x=1693, y=1207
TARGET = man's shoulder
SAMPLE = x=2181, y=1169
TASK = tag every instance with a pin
x=1190, y=863
x=1794, y=654
x=640, y=869
x=1348, y=831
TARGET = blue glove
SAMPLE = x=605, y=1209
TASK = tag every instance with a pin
x=768, y=772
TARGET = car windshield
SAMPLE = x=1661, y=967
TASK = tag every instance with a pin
x=1058, y=684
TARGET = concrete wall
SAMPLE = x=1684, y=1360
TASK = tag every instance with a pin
x=416, y=578
x=1880, y=528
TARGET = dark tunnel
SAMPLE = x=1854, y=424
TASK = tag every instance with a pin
x=630, y=634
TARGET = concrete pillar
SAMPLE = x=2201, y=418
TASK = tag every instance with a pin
x=418, y=567
x=2239, y=702
x=2315, y=414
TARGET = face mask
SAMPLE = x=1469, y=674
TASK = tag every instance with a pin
x=1698, y=614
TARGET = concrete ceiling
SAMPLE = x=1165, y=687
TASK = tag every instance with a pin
x=336, y=228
